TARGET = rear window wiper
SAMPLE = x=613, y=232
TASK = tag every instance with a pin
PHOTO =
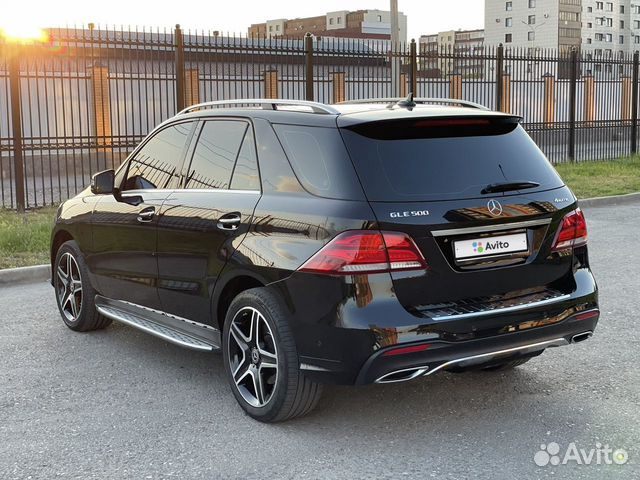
x=508, y=186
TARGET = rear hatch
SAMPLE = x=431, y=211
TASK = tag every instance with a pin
x=480, y=200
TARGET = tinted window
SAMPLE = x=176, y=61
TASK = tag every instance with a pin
x=245, y=173
x=444, y=159
x=215, y=154
x=159, y=160
x=320, y=161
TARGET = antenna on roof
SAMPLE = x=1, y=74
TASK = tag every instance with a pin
x=405, y=103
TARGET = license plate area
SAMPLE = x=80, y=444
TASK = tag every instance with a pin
x=491, y=247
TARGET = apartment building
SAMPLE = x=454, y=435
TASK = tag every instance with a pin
x=374, y=24
x=534, y=24
x=462, y=42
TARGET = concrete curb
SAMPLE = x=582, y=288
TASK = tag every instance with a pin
x=13, y=276
x=41, y=273
x=612, y=200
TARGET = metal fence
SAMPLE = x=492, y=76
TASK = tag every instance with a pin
x=81, y=101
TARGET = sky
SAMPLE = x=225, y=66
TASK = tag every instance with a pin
x=424, y=16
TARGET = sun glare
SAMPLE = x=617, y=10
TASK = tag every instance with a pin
x=23, y=33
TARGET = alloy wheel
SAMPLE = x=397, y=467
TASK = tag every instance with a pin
x=253, y=357
x=69, y=287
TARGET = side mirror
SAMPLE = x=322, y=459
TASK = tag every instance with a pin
x=102, y=182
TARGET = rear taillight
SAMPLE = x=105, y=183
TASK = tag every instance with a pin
x=364, y=251
x=573, y=231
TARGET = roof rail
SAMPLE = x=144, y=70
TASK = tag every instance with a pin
x=266, y=104
x=445, y=101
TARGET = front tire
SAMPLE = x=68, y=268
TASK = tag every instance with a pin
x=74, y=293
x=261, y=360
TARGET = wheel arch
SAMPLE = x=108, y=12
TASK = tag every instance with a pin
x=60, y=237
x=230, y=289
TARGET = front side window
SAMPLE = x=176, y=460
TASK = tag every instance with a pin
x=157, y=164
x=215, y=154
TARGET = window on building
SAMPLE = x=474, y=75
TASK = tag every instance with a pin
x=622, y=24
x=508, y=38
x=531, y=36
x=331, y=21
x=621, y=39
x=589, y=9
x=609, y=37
x=589, y=25
x=588, y=40
x=277, y=28
x=597, y=68
x=379, y=18
x=599, y=5
x=531, y=20
x=609, y=7
x=637, y=39
x=509, y=6
x=339, y=20
x=621, y=8
x=532, y=3
x=508, y=22
x=271, y=28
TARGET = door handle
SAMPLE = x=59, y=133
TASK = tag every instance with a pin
x=230, y=221
x=146, y=214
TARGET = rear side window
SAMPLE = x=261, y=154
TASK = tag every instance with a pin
x=215, y=154
x=320, y=161
x=157, y=163
x=441, y=159
x=245, y=174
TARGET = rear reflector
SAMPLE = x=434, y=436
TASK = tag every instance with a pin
x=405, y=350
x=366, y=251
x=573, y=231
x=587, y=315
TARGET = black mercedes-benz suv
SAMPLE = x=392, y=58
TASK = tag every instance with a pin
x=366, y=242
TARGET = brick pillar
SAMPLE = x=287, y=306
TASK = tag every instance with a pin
x=455, y=86
x=101, y=105
x=339, y=87
x=271, y=84
x=404, y=91
x=191, y=86
x=589, y=98
x=549, y=112
x=625, y=107
x=505, y=104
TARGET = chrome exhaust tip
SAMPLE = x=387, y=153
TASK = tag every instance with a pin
x=403, y=375
x=581, y=337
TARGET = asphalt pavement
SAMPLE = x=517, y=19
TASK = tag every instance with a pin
x=119, y=404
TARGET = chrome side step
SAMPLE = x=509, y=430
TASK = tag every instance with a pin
x=423, y=370
x=173, y=329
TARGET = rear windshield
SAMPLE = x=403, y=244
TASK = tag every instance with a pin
x=441, y=159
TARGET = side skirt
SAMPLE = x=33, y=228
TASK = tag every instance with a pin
x=171, y=328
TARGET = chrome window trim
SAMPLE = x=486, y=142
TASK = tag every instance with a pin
x=491, y=228
x=184, y=190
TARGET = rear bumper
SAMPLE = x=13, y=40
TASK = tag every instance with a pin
x=345, y=335
x=380, y=368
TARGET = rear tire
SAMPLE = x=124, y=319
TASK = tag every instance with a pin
x=75, y=295
x=261, y=359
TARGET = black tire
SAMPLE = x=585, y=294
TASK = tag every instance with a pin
x=81, y=315
x=507, y=365
x=287, y=392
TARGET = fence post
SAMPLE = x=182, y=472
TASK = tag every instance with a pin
x=413, y=68
x=101, y=104
x=271, y=84
x=625, y=101
x=549, y=113
x=498, y=78
x=572, y=103
x=179, y=42
x=339, y=90
x=505, y=103
x=192, y=86
x=634, y=104
x=308, y=52
x=455, y=86
x=16, y=124
x=403, y=85
x=590, y=98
